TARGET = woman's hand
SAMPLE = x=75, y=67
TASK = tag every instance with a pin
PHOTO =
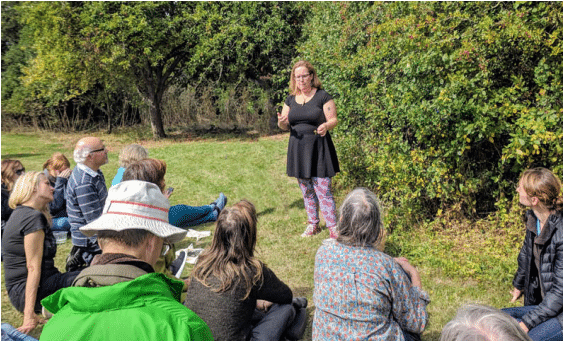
x=524, y=327
x=409, y=269
x=283, y=122
x=516, y=294
x=30, y=322
x=64, y=174
x=263, y=305
x=168, y=192
x=322, y=129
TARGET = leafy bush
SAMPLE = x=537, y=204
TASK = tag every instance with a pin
x=441, y=102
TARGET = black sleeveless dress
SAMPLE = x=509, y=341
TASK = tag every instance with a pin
x=309, y=154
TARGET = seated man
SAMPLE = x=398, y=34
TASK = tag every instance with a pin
x=86, y=194
x=482, y=323
x=119, y=296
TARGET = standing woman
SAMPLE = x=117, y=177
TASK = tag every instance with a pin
x=29, y=249
x=539, y=271
x=310, y=113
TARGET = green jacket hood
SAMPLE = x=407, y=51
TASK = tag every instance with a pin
x=96, y=299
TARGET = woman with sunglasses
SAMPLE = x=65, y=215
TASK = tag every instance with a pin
x=29, y=249
x=310, y=113
x=11, y=170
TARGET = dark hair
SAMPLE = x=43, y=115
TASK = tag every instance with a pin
x=128, y=237
x=544, y=185
x=230, y=257
x=148, y=170
x=360, y=223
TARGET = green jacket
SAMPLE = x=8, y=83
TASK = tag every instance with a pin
x=145, y=308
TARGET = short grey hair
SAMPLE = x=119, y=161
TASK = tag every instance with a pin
x=132, y=153
x=360, y=223
x=474, y=322
x=79, y=155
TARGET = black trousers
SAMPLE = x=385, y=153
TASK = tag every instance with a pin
x=46, y=288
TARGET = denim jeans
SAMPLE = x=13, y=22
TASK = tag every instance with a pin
x=550, y=330
x=61, y=224
x=183, y=216
x=9, y=333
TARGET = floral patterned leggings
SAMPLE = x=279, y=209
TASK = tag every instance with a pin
x=317, y=193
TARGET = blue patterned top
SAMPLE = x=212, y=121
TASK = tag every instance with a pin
x=363, y=294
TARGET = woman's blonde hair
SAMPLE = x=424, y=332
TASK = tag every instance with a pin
x=315, y=82
x=230, y=257
x=58, y=162
x=24, y=189
x=544, y=185
x=132, y=153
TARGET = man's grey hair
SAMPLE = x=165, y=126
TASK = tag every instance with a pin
x=80, y=154
x=360, y=222
x=475, y=322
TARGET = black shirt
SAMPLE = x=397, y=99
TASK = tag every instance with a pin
x=23, y=221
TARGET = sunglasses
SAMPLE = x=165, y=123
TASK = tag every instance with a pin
x=20, y=172
x=166, y=248
x=98, y=150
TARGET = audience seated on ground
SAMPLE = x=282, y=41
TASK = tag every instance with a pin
x=11, y=170
x=235, y=293
x=120, y=296
x=360, y=293
x=180, y=215
x=57, y=168
x=482, y=323
x=153, y=171
x=29, y=249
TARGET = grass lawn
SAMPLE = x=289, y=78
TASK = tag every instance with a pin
x=459, y=262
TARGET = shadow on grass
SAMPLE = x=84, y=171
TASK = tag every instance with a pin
x=19, y=155
x=266, y=212
x=229, y=132
x=297, y=204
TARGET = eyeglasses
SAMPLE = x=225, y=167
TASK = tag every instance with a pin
x=302, y=77
x=166, y=248
x=20, y=172
x=98, y=150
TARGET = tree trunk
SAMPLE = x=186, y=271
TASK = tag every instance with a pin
x=156, y=120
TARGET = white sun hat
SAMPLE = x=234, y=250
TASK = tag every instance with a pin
x=136, y=205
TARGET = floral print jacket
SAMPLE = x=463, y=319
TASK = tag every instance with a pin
x=363, y=294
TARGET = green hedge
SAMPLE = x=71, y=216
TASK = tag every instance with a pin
x=441, y=102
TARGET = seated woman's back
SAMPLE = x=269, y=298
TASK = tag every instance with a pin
x=360, y=292
x=227, y=281
x=226, y=313
x=363, y=294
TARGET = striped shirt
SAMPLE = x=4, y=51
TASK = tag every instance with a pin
x=86, y=195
